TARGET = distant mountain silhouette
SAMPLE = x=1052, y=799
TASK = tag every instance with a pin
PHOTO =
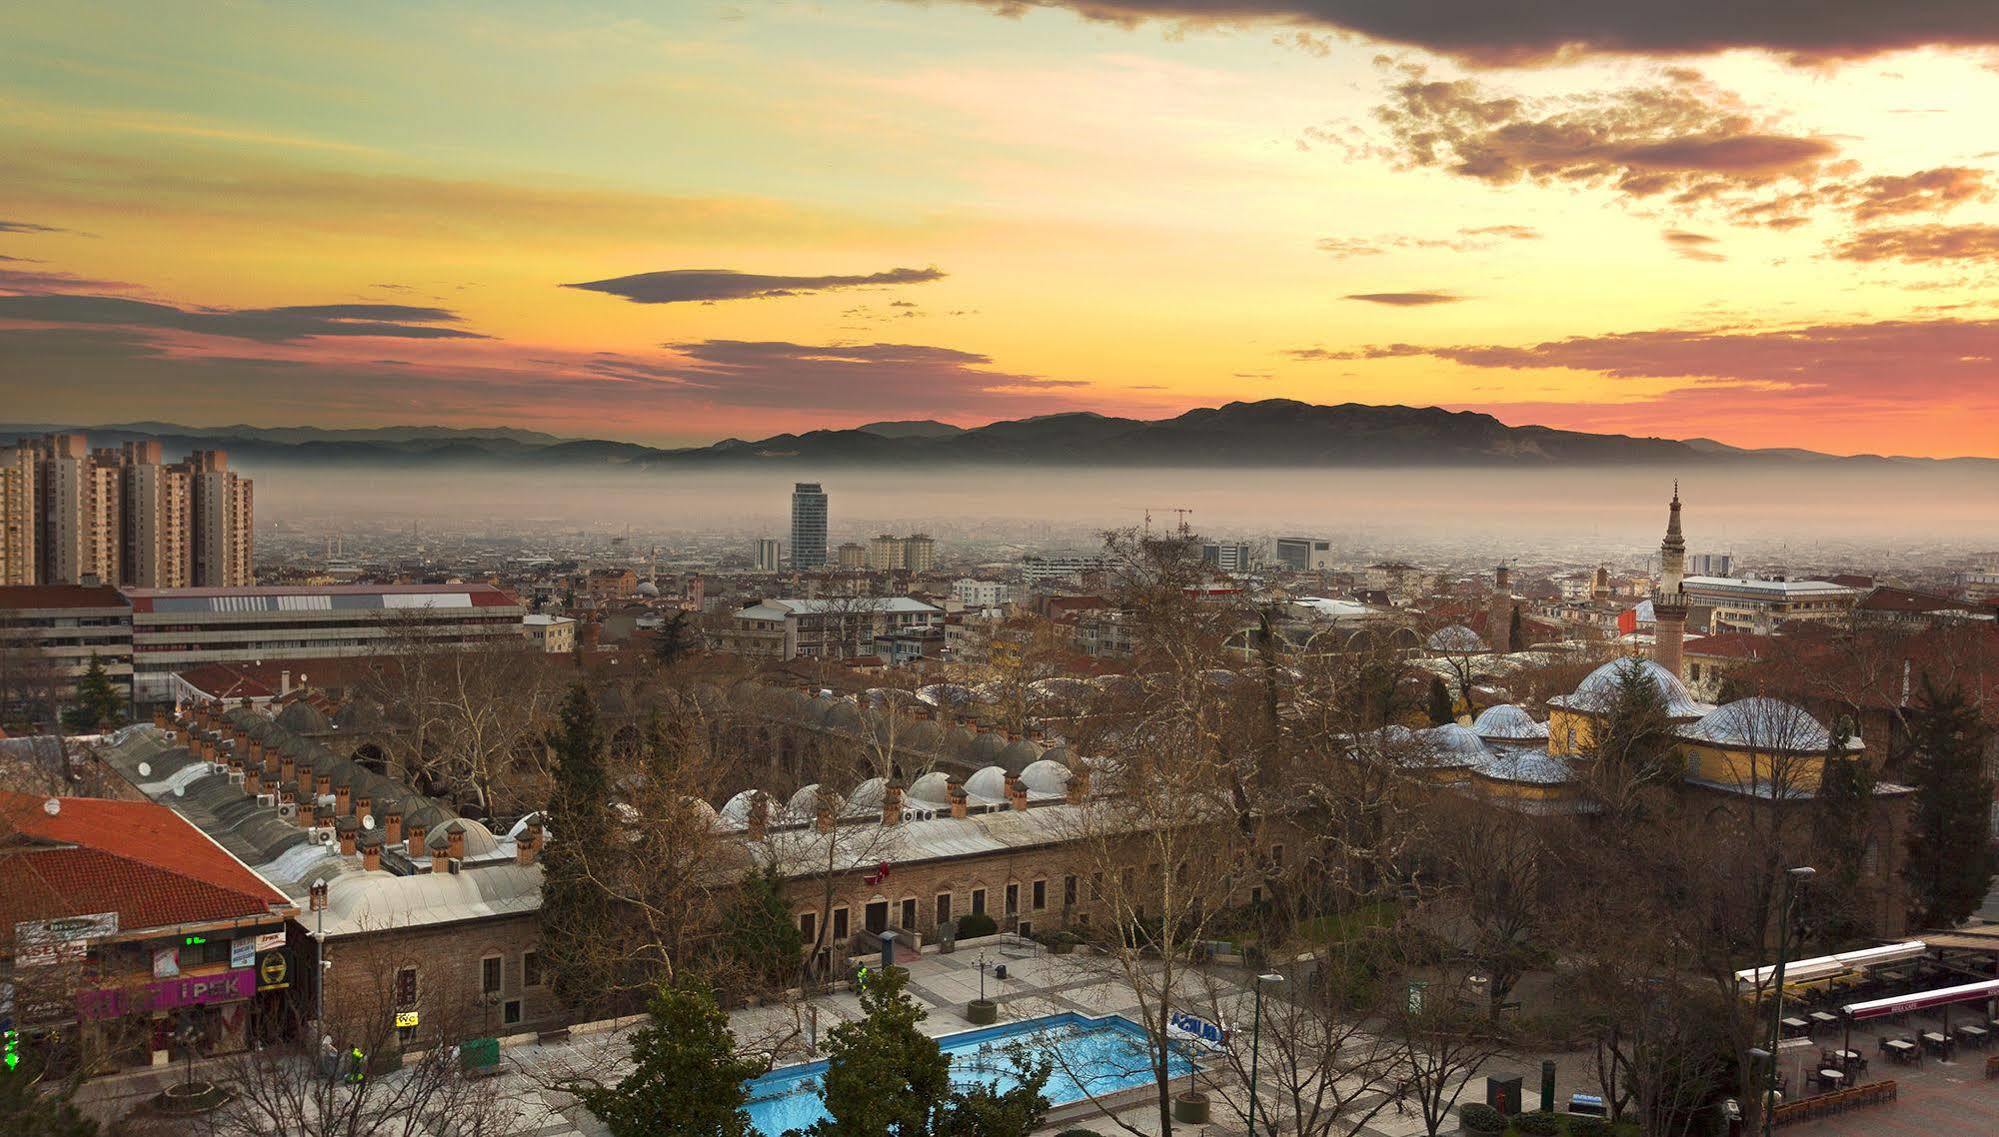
x=1270, y=433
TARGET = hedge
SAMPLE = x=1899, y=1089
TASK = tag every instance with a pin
x=1538, y=1124
x=1481, y=1118
x=976, y=924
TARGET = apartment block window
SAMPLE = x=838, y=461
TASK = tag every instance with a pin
x=406, y=987
x=511, y=1012
x=1013, y=900
x=840, y=923
x=489, y=975
x=978, y=902
x=531, y=969
x=1040, y=895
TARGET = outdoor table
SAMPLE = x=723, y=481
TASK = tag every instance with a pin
x=1830, y=1078
x=1937, y=1043
x=1796, y=1025
x=1850, y=1057
x=1975, y=1035
x=1821, y=1019
x=1901, y=1048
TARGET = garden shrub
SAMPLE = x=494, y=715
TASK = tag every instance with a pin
x=1479, y=1117
x=976, y=924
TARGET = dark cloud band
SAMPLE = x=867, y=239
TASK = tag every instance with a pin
x=695, y=285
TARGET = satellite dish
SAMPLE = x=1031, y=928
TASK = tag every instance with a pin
x=52, y=806
x=368, y=822
x=180, y=791
x=145, y=769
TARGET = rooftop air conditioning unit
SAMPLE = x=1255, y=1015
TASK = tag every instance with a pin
x=288, y=810
x=235, y=777
x=323, y=835
x=218, y=767
x=266, y=801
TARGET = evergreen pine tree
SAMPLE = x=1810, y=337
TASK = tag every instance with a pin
x=759, y=933
x=884, y=1077
x=575, y=911
x=1842, y=824
x=677, y=637
x=1950, y=862
x=30, y=1106
x=1515, y=640
x=98, y=704
x=1440, y=703
x=687, y=1078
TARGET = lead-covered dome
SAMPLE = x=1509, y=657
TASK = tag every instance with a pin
x=1508, y=723
x=1765, y=724
x=1597, y=693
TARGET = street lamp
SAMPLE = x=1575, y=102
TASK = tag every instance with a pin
x=1792, y=878
x=1267, y=979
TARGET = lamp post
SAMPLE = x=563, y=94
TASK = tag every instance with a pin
x=318, y=903
x=1792, y=878
x=1256, y=1043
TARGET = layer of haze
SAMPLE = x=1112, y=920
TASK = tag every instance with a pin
x=1882, y=506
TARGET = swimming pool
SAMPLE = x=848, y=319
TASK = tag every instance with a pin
x=1100, y=1055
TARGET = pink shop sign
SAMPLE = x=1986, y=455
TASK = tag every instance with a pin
x=167, y=994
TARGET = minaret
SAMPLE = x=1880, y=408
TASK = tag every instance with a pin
x=1499, y=613
x=1669, y=603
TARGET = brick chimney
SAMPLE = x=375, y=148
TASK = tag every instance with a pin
x=299, y=816
x=343, y=797
x=955, y=790
x=287, y=769
x=413, y=840
x=348, y=836
x=1016, y=792
x=392, y=822
x=364, y=807
x=891, y=804
x=322, y=785
x=440, y=860
x=823, y=819
x=371, y=853
x=528, y=845
x=454, y=840
x=759, y=819
x=253, y=780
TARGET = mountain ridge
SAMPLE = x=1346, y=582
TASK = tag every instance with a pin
x=1265, y=433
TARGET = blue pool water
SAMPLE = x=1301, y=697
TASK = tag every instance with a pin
x=1102, y=1055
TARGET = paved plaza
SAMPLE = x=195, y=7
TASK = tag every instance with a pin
x=1937, y=1096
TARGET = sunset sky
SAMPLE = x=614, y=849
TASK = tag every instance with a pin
x=676, y=222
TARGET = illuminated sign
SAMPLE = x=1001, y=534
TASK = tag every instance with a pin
x=273, y=971
x=186, y=991
x=405, y=1020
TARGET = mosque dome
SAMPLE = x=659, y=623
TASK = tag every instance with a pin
x=1018, y=754
x=1457, y=638
x=932, y=788
x=1453, y=745
x=989, y=782
x=1766, y=724
x=1598, y=691
x=1508, y=723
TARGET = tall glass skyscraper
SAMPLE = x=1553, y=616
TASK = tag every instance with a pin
x=808, y=525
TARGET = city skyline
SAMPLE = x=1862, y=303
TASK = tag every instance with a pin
x=678, y=226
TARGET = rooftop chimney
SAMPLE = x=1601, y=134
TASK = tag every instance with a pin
x=891, y=804
x=392, y=823
x=528, y=846
x=955, y=790
x=371, y=853
x=413, y=840
x=759, y=819
x=454, y=840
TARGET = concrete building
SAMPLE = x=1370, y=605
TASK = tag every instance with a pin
x=1302, y=554
x=1761, y=605
x=48, y=634
x=1036, y=569
x=981, y=594
x=1228, y=556
x=769, y=554
x=835, y=628
x=1710, y=564
x=122, y=517
x=919, y=552
x=177, y=628
x=808, y=526
x=885, y=553
x=18, y=561
x=166, y=930
x=853, y=556
x=553, y=634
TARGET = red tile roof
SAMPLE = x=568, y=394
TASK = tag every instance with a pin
x=140, y=860
x=31, y=596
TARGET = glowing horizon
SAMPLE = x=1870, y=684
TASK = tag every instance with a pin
x=677, y=226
